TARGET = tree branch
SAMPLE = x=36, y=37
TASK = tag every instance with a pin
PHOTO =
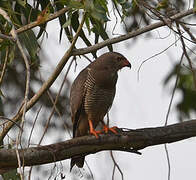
x=47, y=83
x=49, y=18
x=129, y=141
x=133, y=33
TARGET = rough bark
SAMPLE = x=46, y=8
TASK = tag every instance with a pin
x=126, y=140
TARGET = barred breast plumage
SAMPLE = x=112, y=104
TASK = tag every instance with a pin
x=97, y=100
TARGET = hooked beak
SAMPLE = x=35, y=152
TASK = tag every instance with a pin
x=126, y=63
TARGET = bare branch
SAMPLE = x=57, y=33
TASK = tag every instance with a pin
x=132, y=34
x=157, y=54
x=129, y=141
x=3, y=36
x=116, y=165
x=186, y=54
x=4, y=65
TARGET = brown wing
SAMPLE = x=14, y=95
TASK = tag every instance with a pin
x=77, y=97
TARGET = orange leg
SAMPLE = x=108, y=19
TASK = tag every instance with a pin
x=112, y=129
x=92, y=130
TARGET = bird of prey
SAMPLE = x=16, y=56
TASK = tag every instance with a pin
x=92, y=94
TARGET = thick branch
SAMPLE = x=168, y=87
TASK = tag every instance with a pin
x=129, y=141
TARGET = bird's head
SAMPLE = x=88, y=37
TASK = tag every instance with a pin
x=112, y=61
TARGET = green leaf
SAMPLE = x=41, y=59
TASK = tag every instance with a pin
x=11, y=55
x=73, y=4
x=103, y=4
x=99, y=16
x=29, y=39
x=1, y=93
x=194, y=5
x=75, y=24
x=62, y=20
x=96, y=10
x=185, y=86
x=87, y=22
x=22, y=2
x=127, y=5
x=98, y=29
x=162, y=5
x=67, y=23
x=121, y=1
x=4, y=44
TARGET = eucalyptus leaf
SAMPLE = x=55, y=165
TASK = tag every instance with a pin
x=121, y=1
x=104, y=4
x=29, y=39
x=11, y=55
x=127, y=5
x=99, y=16
x=194, y=5
x=22, y=2
x=67, y=23
x=96, y=10
x=73, y=4
x=87, y=22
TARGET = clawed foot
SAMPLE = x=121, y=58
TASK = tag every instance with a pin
x=106, y=129
x=93, y=131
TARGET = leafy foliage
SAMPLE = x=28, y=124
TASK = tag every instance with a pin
x=185, y=86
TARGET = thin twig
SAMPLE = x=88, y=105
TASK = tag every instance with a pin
x=116, y=165
x=112, y=155
x=188, y=32
x=173, y=92
x=132, y=34
x=87, y=58
x=168, y=162
x=4, y=65
x=36, y=117
x=3, y=36
x=167, y=117
x=186, y=54
x=34, y=122
x=91, y=173
x=6, y=120
x=159, y=53
x=49, y=18
x=163, y=18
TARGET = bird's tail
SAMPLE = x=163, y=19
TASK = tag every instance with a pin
x=78, y=160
